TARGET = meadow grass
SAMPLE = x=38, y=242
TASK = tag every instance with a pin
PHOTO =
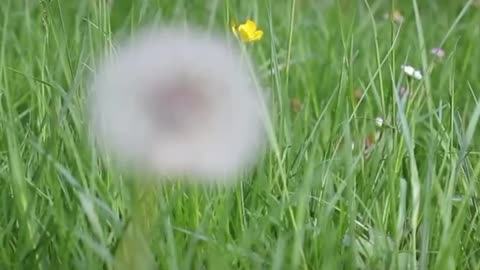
x=312, y=202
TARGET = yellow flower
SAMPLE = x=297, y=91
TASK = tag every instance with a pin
x=247, y=31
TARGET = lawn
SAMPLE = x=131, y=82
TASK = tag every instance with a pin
x=369, y=168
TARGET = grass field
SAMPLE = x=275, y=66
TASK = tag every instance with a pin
x=407, y=199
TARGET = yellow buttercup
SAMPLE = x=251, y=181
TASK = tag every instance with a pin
x=247, y=31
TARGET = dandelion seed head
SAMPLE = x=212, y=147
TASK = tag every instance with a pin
x=179, y=103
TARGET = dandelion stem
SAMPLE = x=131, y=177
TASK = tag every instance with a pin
x=134, y=251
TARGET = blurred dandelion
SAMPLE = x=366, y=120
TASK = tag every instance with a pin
x=248, y=31
x=179, y=103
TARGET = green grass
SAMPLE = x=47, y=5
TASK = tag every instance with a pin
x=312, y=202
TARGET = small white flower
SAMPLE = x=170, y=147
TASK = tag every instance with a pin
x=379, y=121
x=409, y=70
x=417, y=74
x=180, y=104
x=412, y=72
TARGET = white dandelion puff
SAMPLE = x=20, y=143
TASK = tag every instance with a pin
x=181, y=104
